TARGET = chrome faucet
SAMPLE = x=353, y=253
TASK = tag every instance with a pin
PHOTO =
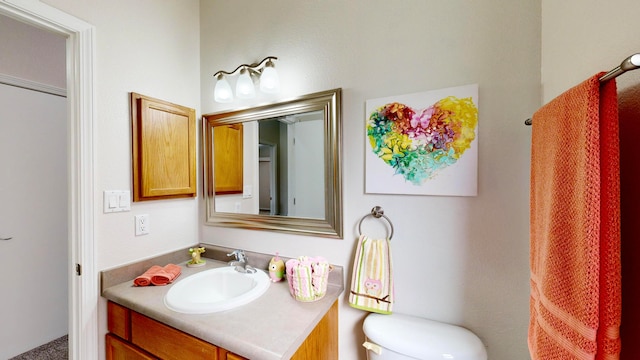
x=240, y=262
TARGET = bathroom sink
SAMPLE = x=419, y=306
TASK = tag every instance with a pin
x=216, y=290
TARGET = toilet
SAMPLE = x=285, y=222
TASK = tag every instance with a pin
x=403, y=337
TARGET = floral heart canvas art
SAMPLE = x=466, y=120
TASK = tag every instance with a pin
x=423, y=143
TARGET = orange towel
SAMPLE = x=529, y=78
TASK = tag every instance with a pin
x=166, y=275
x=158, y=275
x=575, y=305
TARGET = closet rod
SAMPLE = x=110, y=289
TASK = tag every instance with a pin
x=630, y=63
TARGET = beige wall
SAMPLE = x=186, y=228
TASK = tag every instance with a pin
x=458, y=259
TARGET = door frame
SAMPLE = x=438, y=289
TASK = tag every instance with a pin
x=273, y=168
x=80, y=55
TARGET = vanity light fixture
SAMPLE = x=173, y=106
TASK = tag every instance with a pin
x=245, y=89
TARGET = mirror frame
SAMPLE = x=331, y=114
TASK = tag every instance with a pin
x=332, y=225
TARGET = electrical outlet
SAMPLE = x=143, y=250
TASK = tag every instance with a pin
x=142, y=224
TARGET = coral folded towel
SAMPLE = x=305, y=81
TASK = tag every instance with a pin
x=372, y=277
x=575, y=304
x=158, y=275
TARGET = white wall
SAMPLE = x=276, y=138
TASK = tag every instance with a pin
x=582, y=38
x=150, y=47
x=458, y=259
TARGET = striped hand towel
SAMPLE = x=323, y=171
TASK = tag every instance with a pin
x=372, y=278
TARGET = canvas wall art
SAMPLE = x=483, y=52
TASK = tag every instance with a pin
x=423, y=143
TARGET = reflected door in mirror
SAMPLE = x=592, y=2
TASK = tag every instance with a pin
x=306, y=168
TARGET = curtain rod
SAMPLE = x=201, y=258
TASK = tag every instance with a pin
x=628, y=64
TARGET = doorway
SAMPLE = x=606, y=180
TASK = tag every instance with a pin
x=33, y=218
x=267, y=171
x=306, y=177
x=82, y=276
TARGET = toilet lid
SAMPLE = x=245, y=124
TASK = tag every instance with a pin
x=423, y=338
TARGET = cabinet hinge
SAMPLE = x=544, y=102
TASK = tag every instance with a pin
x=78, y=269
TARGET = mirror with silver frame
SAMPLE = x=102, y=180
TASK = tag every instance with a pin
x=277, y=166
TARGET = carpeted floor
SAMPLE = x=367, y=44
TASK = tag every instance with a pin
x=57, y=349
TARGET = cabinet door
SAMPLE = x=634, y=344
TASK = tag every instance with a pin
x=227, y=159
x=164, y=149
x=322, y=343
x=166, y=342
x=224, y=354
x=119, y=320
x=117, y=349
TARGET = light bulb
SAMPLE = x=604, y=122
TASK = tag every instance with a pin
x=222, y=92
x=244, y=86
x=269, y=81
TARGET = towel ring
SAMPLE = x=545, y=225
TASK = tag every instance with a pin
x=377, y=212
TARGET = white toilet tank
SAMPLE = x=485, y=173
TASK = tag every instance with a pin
x=401, y=337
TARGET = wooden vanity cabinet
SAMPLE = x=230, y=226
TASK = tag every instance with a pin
x=133, y=336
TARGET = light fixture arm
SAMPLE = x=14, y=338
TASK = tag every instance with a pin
x=255, y=68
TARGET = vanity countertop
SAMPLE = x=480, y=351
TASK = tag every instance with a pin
x=270, y=327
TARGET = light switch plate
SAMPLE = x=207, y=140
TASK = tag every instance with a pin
x=247, y=191
x=116, y=201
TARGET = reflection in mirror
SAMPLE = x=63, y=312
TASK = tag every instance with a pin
x=276, y=166
x=227, y=159
x=291, y=175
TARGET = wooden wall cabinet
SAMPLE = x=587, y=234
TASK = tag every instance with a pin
x=135, y=336
x=163, y=149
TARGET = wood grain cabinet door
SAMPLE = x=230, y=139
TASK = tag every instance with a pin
x=224, y=354
x=166, y=342
x=227, y=159
x=164, y=149
x=117, y=349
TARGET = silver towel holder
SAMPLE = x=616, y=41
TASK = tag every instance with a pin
x=377, y=212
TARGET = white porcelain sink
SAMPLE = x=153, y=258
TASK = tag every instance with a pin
x=216, y=290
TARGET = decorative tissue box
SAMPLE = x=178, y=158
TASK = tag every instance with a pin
x=307, y=277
